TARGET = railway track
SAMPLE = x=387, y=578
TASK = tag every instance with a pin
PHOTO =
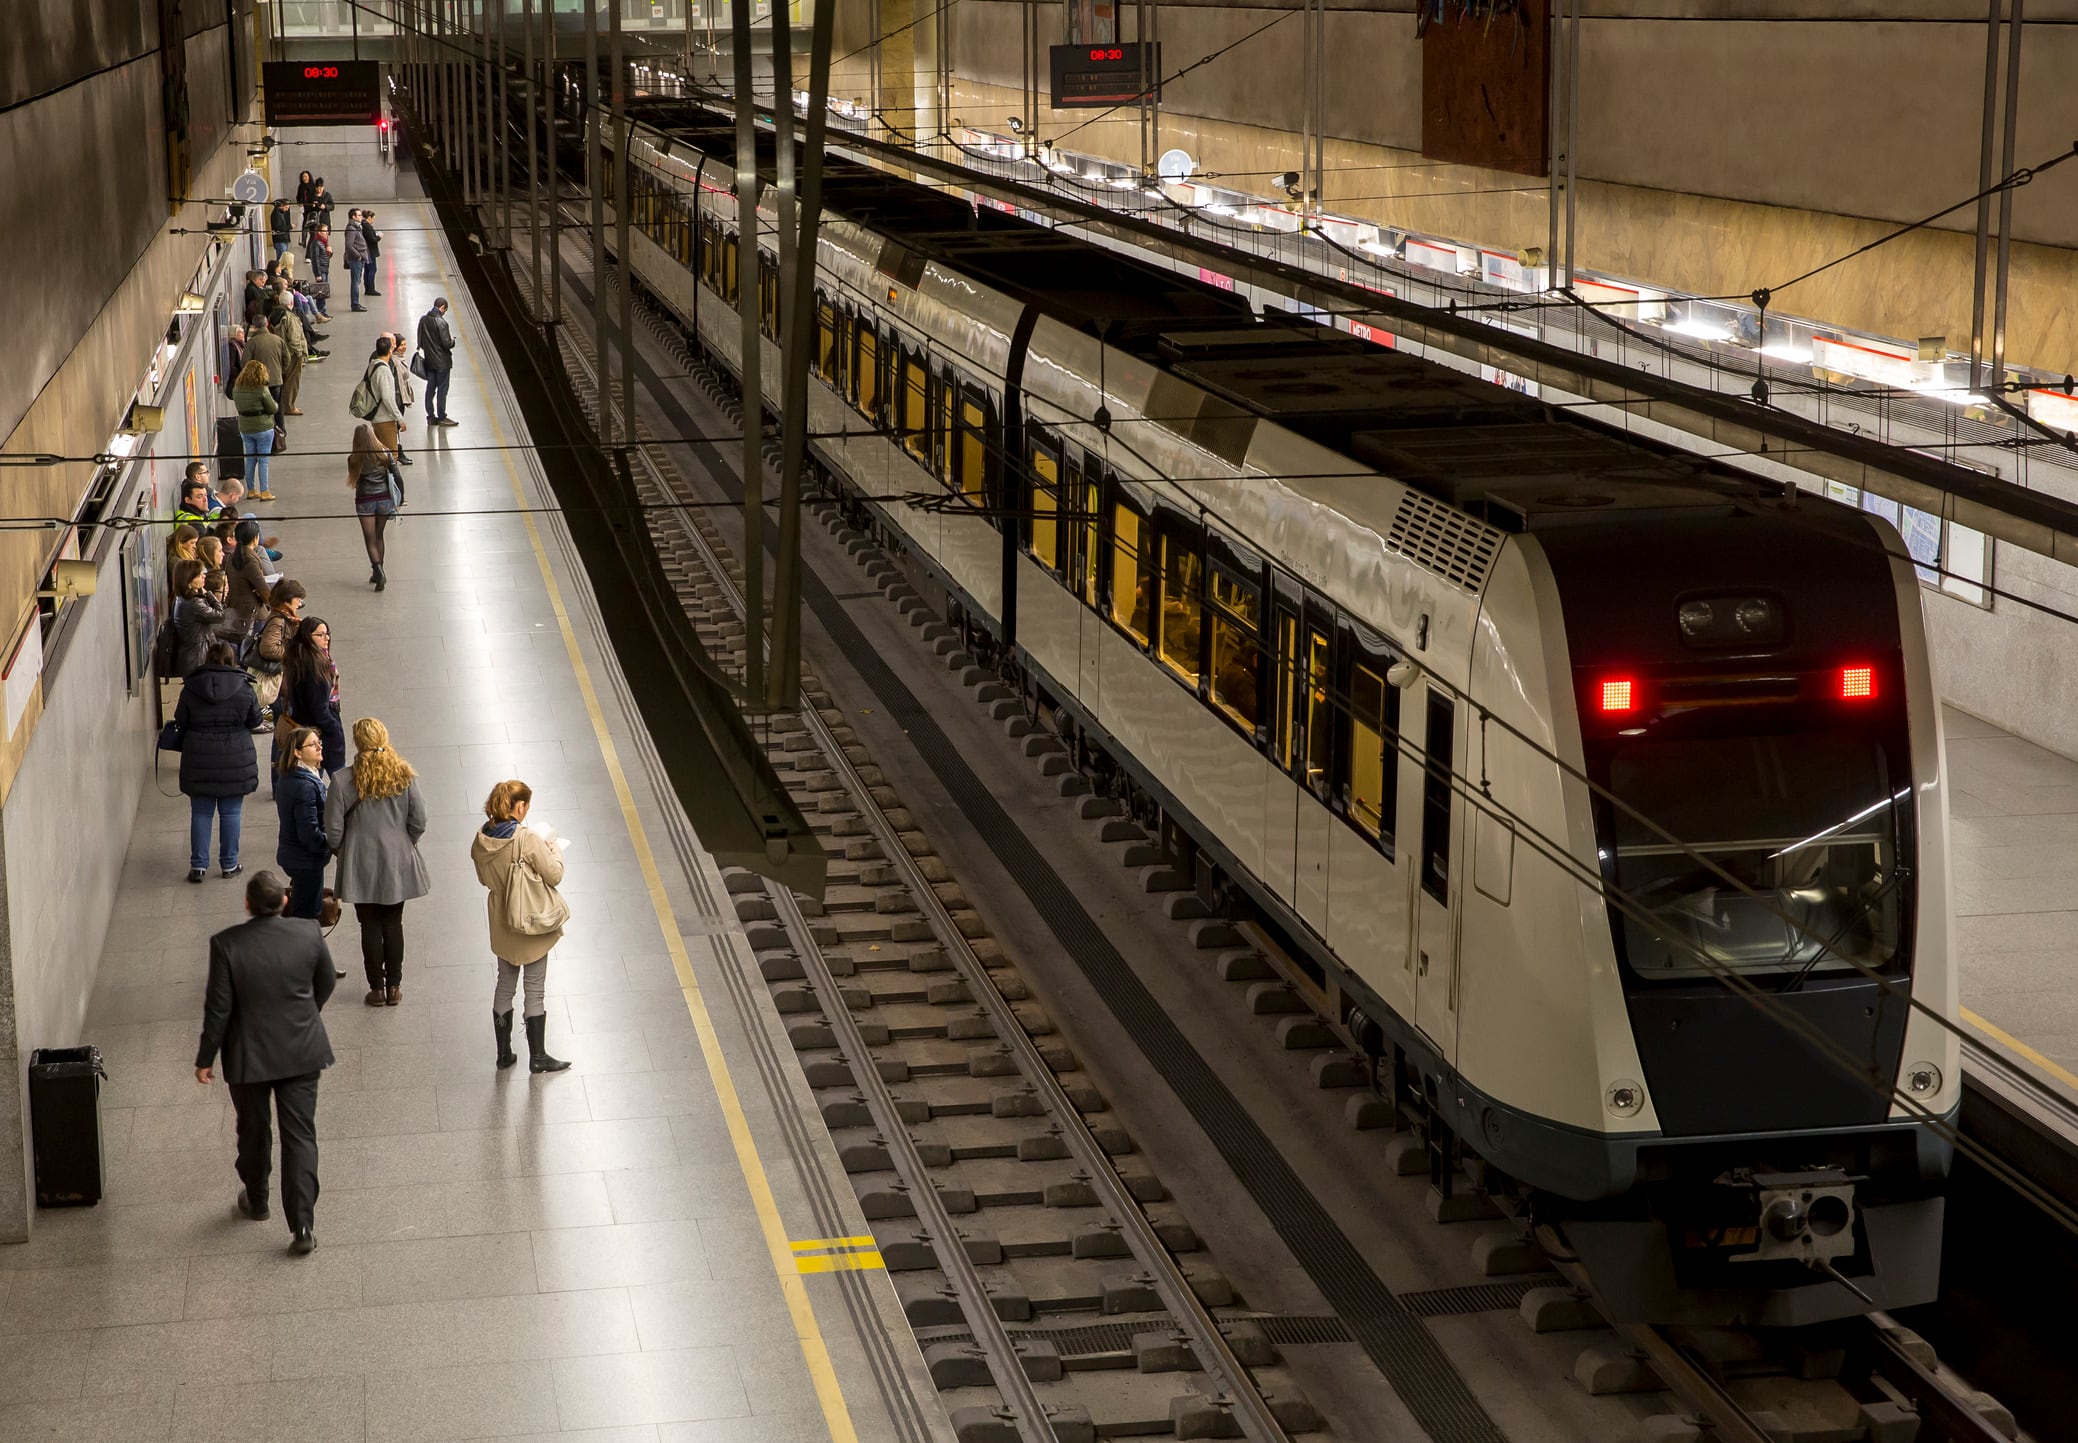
x=1046, y=1279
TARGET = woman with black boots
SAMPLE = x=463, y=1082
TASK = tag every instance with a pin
x=522, y=869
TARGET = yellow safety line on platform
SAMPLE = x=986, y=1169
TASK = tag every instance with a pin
x=824, y=1245
x=840, y=1263
x=829, y=1393
x=2007, y=1040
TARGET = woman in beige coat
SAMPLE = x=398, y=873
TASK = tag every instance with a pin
x=499, y=849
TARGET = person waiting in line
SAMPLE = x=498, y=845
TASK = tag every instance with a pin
x=196, y=616
x=436, y=349
x=370, y=471
x=281, y=227
x=290, y=330
x=406, y=393
x=318, y=252
x=511, y=857
x=310, y=688
x=306, y=186
x=374, y=816
x=262, y=345
x=209, y=549
x=319, y=212
x=388, y=416
x=255, y=301
x=269, y=979
x=233, y=360
x=180, y=546
x=257, y=409
x=356, y=247
x=374, y=238
x=271, y=647
x=196, y=507
x=217, y=714
x=247, y=566
x=300, y=848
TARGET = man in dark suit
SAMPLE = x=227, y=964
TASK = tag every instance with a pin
x=268, y=981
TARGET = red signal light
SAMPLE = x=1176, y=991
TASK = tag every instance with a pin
x=1857, y=683
x=1619, y=694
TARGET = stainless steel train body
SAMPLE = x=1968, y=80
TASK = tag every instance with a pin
x=1600, y=789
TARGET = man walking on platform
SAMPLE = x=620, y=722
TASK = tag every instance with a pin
x=268, y=982
x=436, y=349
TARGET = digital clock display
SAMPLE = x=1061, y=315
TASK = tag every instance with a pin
x=323, y=92
x=1101, y=76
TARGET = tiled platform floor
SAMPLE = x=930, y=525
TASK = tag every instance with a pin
x=568, y=1257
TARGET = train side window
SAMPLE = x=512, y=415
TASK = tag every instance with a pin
x=1320, y=709
x=1435, y=798
x=1129, y=568
x=729, y=292
x=1087, y=484
x=825, y=339
x=1286, y=743
x=1046, y=472
x=768, y=295
x=1181, y=626
x=915, y=405
x=868, y=371
x=1374, y=725
x=1237, y=658
x=976, y=417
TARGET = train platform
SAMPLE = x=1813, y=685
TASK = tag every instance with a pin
x=2014, y=850
x=657, y=1246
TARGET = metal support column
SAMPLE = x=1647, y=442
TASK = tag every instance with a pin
x=1554, y=160
x=753, y=385
x=531, y=104
x=797, y=309
x=552, y=74
x=502, y=182
x=472, y=115
x=595, y=180
x=1984, y=178
x=623, y=207
x=1572, y=132
x=2009, y=161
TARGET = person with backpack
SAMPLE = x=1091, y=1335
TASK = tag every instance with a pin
x=216, y=716
x=406, y=394
x=270, y=648
x=375, y=399
x=521, y=869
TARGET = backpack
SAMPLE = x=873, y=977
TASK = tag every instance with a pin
x=166, y=651
x=363, y=403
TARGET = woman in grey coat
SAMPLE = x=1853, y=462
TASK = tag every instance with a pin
x=374, y=817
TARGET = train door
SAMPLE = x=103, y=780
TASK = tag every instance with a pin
x=1433, y=875
x=1315, y=773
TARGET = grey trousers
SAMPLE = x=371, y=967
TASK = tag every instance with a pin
x=509, y=977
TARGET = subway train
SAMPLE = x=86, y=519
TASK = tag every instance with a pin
x=1594, y=788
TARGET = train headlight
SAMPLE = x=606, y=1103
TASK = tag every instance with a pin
x=1625, y=1098
x=1695, y=617
x=1756, y=617
x=1923, y=1079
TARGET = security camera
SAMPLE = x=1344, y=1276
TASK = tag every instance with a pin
x=476, y=243
x=1017, y=125
x=1288, y=180
x=1403, y=674
x=71, y=578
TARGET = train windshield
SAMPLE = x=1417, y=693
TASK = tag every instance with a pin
x=1811, y=827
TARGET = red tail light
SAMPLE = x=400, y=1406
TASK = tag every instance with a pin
x=1857, y=683
x=1619, y=694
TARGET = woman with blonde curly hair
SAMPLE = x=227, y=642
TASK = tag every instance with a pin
x=374, y=817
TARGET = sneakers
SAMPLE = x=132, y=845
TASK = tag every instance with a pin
x=197, y=874
x=233, y=870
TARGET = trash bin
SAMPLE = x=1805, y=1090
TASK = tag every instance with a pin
x=65, y=1119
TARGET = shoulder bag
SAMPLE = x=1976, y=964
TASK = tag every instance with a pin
x=396, y=485
x=418, y=364
x=532, y=907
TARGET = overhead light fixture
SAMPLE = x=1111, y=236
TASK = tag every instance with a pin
x=1700, y=330
x=1017, y=125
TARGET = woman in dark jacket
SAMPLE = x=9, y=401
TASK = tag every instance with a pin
x=218, y=771
x=247, y=569
x=281, y=228
x=299, y=803
x=310, y=688
x=196, y=616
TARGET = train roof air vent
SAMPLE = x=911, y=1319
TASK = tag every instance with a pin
x=1455, y=546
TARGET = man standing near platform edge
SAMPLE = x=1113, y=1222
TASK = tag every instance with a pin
x=436, y=351
x=268, y=982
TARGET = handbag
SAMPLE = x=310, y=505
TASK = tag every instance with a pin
x=396, y=485
x=418, y=364
x=532, y=907
x=169, y=735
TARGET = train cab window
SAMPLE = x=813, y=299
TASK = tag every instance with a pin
x=1374, y=722
x=1437, y=742
x=1285, y=744
x=1129, y=571
x=914, y=414
x=1181, y=625
x=1237, y=659
x=974, y=469
x=1046, y=473
x=867, y=371
x=1320, y=710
